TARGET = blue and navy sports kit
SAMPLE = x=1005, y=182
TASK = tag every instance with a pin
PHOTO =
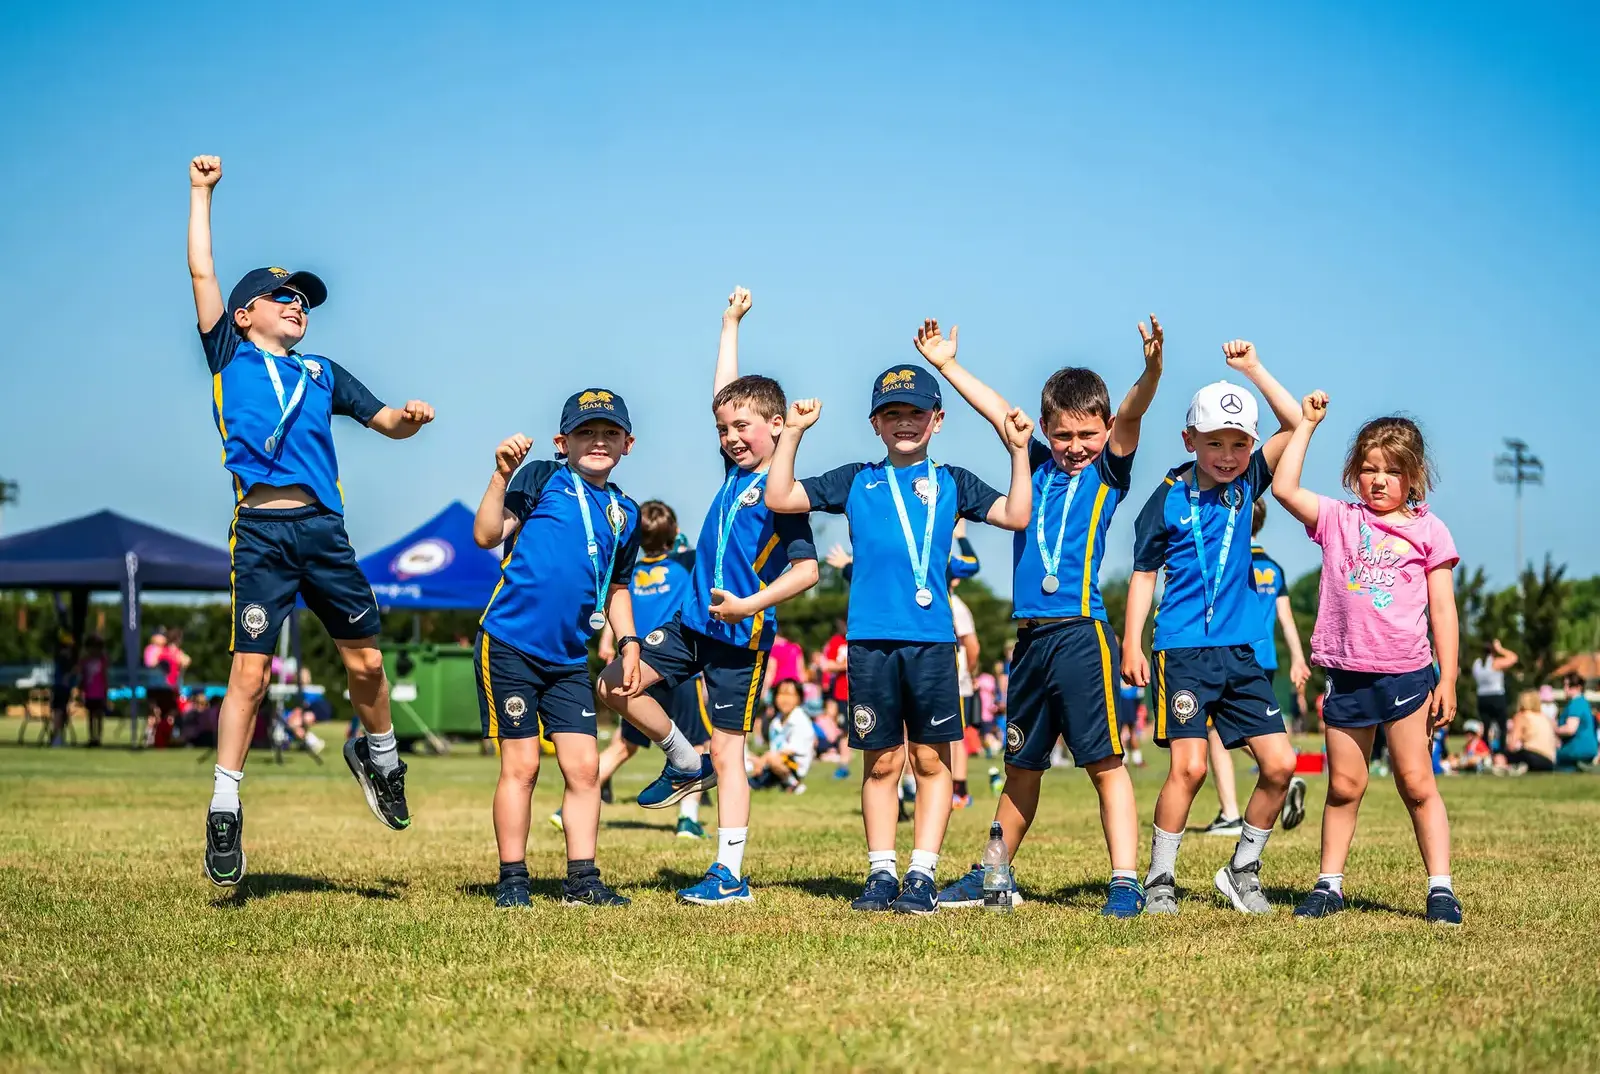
x=1209, y=619
x=658, y=586
x=278, y=554
x=1268, y=579
x=1067, y=662
x=532, y=649
x=756, y=547
x=964, y=562
x=902, y=655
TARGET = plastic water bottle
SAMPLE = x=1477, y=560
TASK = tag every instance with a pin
x=996, y=873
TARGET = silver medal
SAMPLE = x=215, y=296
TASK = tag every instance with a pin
x=597, y=620
x=924, y=596
x=1050, y=584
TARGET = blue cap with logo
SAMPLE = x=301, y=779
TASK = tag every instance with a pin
x=592, y=403
x=264, y=281
x=906, y=384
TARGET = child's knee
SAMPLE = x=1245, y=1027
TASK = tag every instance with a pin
x=1417, y=791
x=887, y=765
x=365, y=665
x=1189, y=769
x=1346, y=787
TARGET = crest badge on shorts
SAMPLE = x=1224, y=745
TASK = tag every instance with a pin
x=1184, y=705
x=863, y=719
x=516, y=708
x=1013, y=738
x=655, y=637
x=253, y=619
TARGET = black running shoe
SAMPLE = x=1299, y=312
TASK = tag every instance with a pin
x=605, y=793
x=590, y=891
x=512, y=891
x=1321, y=902
x=1443, y=907
x=386, y=794
x=225, y=847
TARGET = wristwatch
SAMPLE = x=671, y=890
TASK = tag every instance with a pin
x=626, y=638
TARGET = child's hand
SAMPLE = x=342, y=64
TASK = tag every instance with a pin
x=1314, y=407
x=1017, y=430
x=205, y=171
x=416, y=412
x=630, y=671
x=727, y=608
x=803, y=414
x=838, y=558
x=1442, y=706
x=606, y=649
x=738, y=305
x=509, y=455
x=1241, y=355
x=938, y=350
x=1135, y=667
x=1299, y=675
x=1153, y=337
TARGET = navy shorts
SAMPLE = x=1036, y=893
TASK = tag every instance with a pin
x=1063, y=684
x=1367, y=699
x=686, y=705
x=903, y=690
x=520, y=695
x=1221, y=687
x=733, y=674
x=278, y=555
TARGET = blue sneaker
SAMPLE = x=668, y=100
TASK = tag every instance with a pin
x=718, y=888
x=917, y=895
x=968, y=891
x=1124, y=898
x=511, y=892
x=1321, y=902
x=673, y=783
x=842, y=772
x=1443, y=907
x=881, y=891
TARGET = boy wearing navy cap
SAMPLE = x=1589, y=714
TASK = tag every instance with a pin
x=902, y=643
x=748, y=561
x=570, y=538
x=1206, y=671
x=274, y=408
x=1064, y=668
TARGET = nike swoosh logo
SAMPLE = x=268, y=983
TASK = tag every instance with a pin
x=1402, y=700
x=358, y=618
x=723, y=889
x=586, y=712
x=722, y=706
x=735, y=842
x=872, y=484
x=1274, y=712
x=1186, y=519
x=947, y=719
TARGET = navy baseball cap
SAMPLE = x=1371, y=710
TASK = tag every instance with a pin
x=264, y=281
x=906, y=384
x=594, y=403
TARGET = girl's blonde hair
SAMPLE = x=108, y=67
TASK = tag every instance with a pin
x=1401, y=441
x=1528, y=701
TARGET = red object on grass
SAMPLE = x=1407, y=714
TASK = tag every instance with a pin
x=1310, y=763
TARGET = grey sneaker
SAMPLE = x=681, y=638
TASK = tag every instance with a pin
x=1294, y=805
x=1224, y=826
x=1243, y=888
x=1161, y=895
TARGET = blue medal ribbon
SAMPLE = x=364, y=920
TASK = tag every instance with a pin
x=728, y=503
x=919, y=564
x=591, y=546
x=286, y=410
x=1052, y=559
x=1208, y=588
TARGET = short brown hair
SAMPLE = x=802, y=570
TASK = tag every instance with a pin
x=761, y=394
x=658, y=527
x=1075, y=390
x=1572, y=681
x=1400, y=440
x=1258, y=517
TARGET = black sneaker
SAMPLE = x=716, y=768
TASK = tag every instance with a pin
x=605, y=793
x=386, y=794
x=510, y=892
x=224, y=847
x=590, y=891
x=1443, y=907
x=1224, y=826
x=1321, y=902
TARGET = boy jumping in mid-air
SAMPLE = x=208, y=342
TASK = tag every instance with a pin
x=1206, y=670
x=902, y=656
x=748, y=561
x=1064, y=666
x=274, y=409
x=570, y=538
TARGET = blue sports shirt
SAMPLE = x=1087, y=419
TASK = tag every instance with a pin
x=1163, y=538
x=1102, y=485
x=1268, y=579
x=883, y=604
x=760, y=547
x=546, y=592
x=245, y=408
x=659, y=586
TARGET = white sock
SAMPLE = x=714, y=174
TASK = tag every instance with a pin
x=1335, y=882
x=882, y=861
x=1163, y=854
x=1441, y=882
x=313, y=741
x=1136, y=757
x=225, y=790
x=730, y=849
x=924, y=861
x=1124, y=874
x=680, y=754
x=689, y=807
x=1252, y=841
x=384, y=752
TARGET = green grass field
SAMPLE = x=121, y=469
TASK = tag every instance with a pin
x=353, y=948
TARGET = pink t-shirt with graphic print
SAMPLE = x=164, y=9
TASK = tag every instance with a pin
x=1374, y=596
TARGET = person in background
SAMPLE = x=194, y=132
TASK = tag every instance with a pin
x=63, y=681
x=833, y=662
x=314, y=706
x=988, y=690
x=1489, y=673
x=788, y=662
x=1475, y=755
x=1530, y=740
x=1129, y=698
x=1576, y=727
x=791, y=742
x=93, y=671
x=966, y=660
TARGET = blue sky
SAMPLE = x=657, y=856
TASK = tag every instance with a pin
x=1394, y=201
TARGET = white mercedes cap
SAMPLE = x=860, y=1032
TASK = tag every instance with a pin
x=1223, y=406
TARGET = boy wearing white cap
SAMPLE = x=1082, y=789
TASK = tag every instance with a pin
x=1206, y=673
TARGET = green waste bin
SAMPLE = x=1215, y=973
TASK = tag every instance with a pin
x=431, y=685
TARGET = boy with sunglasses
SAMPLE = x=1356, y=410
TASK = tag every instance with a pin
x=274, y=409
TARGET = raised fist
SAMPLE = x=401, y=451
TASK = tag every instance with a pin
x=205, y=171
x=509, y=455
x=738, y=305
x=1241, y=354
x=1315, y=406
x=803, y=414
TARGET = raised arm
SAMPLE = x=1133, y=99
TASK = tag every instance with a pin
x=1503, y=658
x=1446, y=645
x=1013, y=510
x=1130, y=415
x=1242, y=357
x=204, y=173
x=941, y=354
x=784, y=494
x=398, y=423
x=493, y=523
x=728, y=344
x=1300, y=502
x=1135, y=665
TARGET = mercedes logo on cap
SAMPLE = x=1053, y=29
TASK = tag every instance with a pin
x=1231, y=403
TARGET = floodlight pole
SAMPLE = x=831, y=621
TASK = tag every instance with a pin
x=1517, y=467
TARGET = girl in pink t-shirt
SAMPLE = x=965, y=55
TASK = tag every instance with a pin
x=1386, y=575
